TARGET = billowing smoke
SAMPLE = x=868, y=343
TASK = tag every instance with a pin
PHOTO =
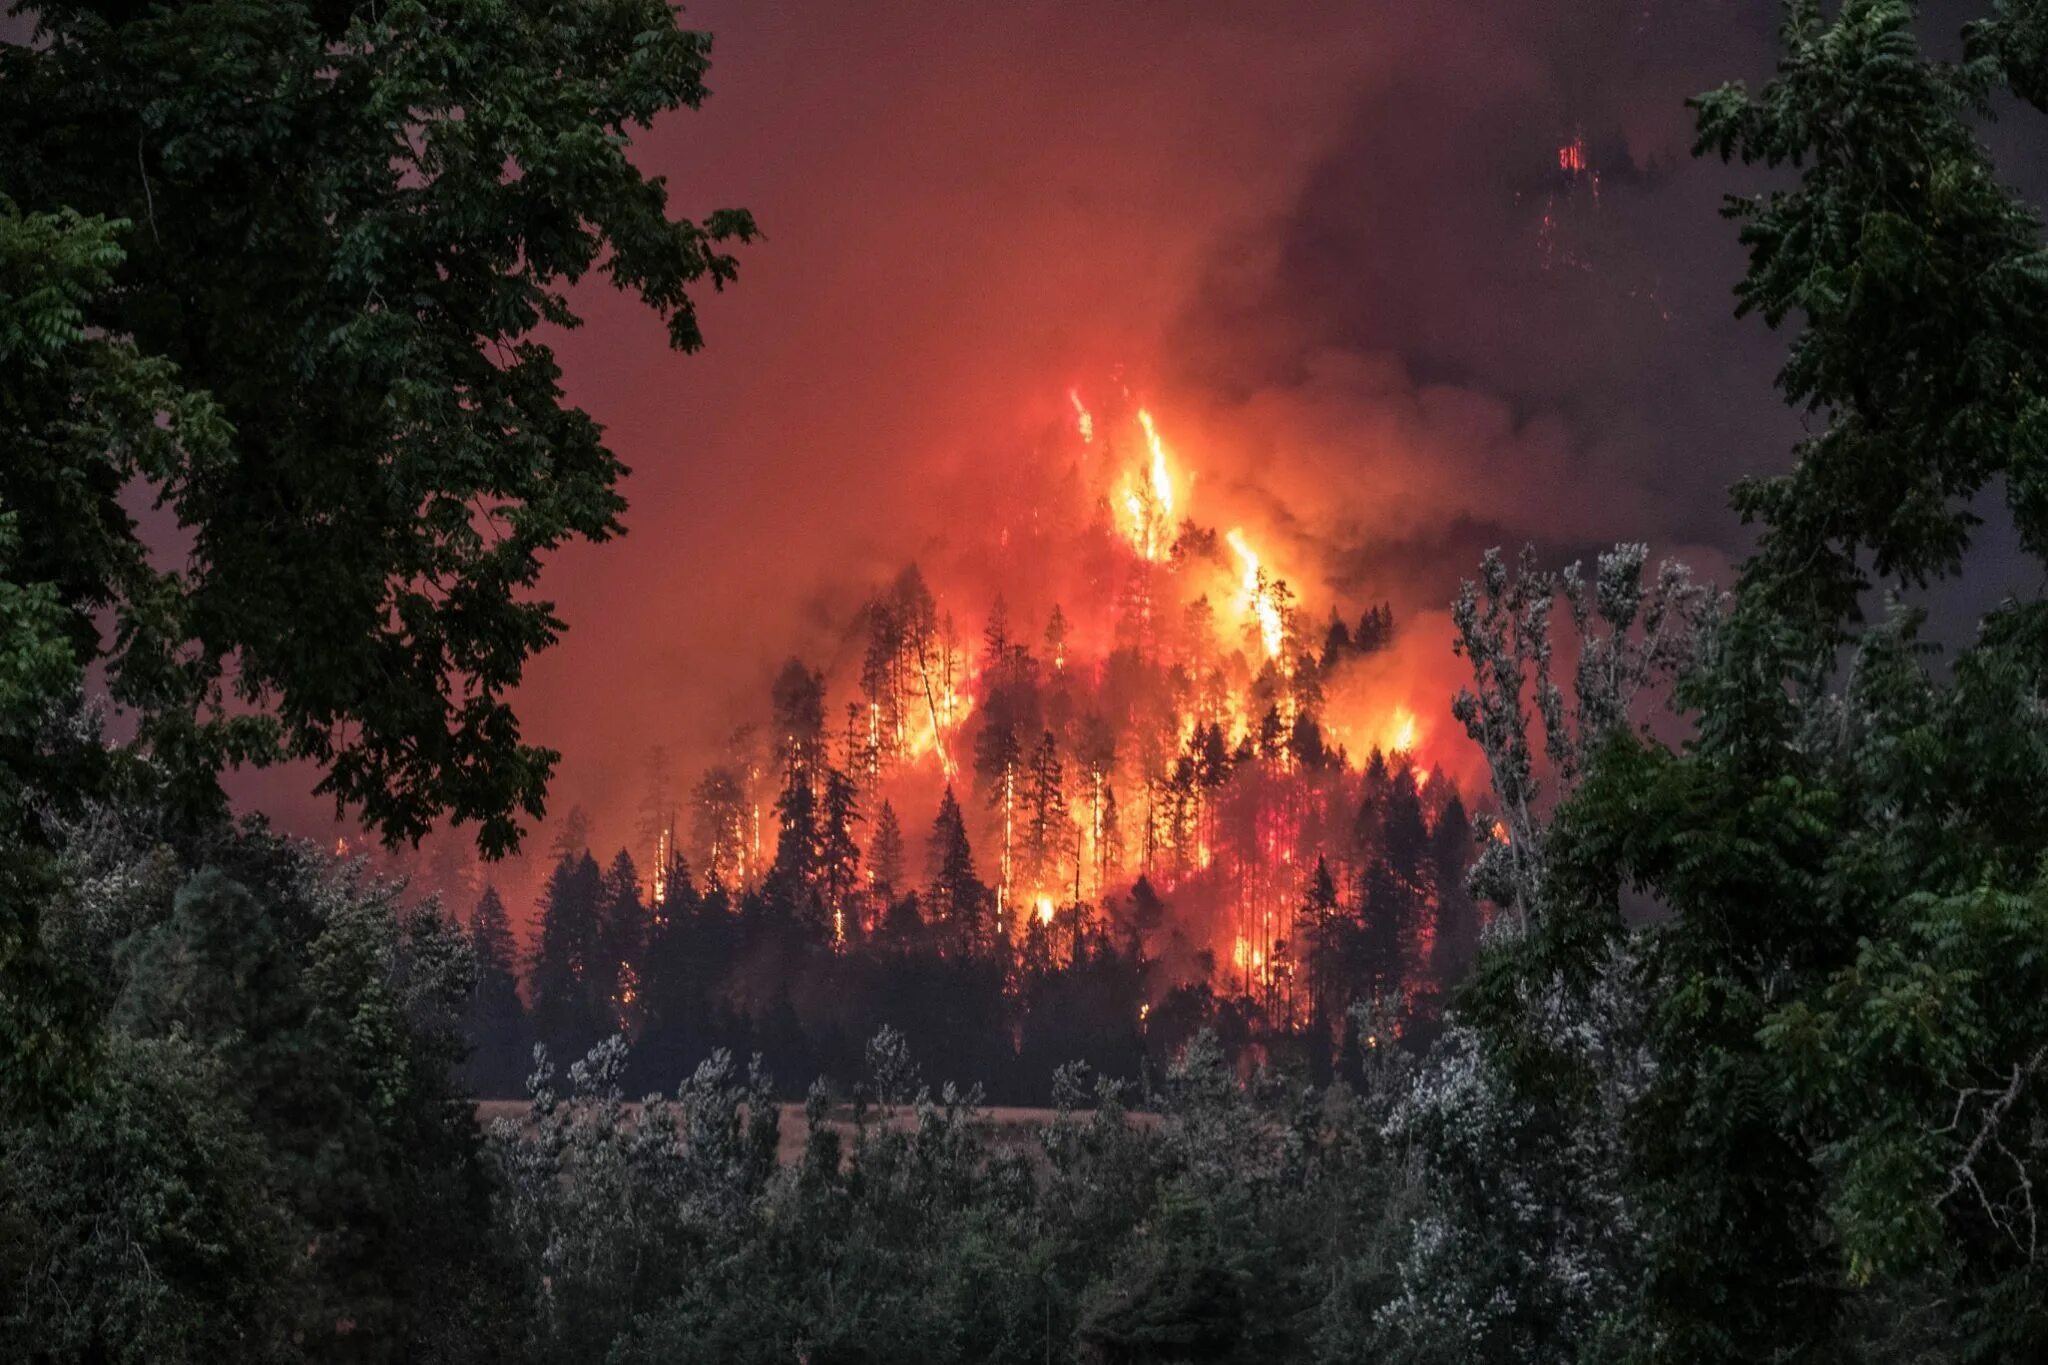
x=1399, y=282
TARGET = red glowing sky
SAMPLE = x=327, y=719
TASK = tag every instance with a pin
x=1314, y=238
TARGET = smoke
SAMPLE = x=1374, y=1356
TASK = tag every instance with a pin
x=1335, y=249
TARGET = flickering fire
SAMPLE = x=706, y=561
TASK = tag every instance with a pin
x=1162, y=478
x=1084, y=421
x=1258, y=596
x=1197, y=735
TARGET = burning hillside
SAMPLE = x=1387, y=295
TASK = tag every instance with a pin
x=1137, y=728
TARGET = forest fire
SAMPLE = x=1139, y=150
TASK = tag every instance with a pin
x=1172, y=757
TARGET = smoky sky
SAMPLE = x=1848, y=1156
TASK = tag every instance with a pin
x=1336, y=247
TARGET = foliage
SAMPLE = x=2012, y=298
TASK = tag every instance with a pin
x=1834, y=1145
x=273, y=1161
x=308, y=324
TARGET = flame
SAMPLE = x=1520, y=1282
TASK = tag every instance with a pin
x=1148, y=497
x=1162, y=477
x=1403, y=738
x=1084, y=421
x=1044, y=907
x=1258, y=596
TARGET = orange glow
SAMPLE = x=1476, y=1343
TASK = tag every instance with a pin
x=1258, y=595
x=1162, y=478
x=1084, y=421
x=1148, y=497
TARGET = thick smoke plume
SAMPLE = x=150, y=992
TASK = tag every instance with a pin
x=1399, y=282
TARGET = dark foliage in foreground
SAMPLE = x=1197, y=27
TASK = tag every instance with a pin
x=1800, y=1117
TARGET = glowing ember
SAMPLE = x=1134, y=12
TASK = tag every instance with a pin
x=1084, y=421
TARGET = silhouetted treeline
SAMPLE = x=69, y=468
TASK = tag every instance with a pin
x=1120, y=986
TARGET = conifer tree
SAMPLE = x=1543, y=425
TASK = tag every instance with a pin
x=792, y=882
x=1336, y=641
x=1319, y=929
x=566, y=956
x=886, y=864
x=721, y=827
x=1047, y=827
x=497, y=1017
x=1056, y=641
x=1455, y=944
x=621, y=942
x=797, y=699
x=956, y=901
x=655, y=823
x=838, y=853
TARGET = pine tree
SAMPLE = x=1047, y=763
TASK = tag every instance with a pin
x=572, y=838
x=1047, y=825
x=956, y=900
x=569, y=946
x=1336, y=641
x=797, y=699
x=497, y=1018
x=1056, y=640
x=838, y=853
x=1318, y=929
x=655, y=823
x=721, y=827
x=614, y=975
x=886, y=862
x=1455, y=946
x=792, y=883
x=1305, y=744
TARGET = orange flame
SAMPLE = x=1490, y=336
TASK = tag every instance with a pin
x=1403, y=738
x=1162, y=478
x=1258, y=596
